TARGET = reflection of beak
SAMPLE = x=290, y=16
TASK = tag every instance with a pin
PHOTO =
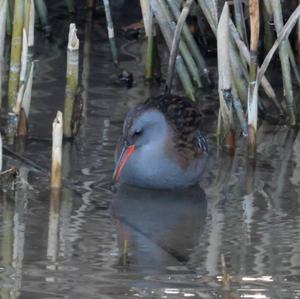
x=126, y=153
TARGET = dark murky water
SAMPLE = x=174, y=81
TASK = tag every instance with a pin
x=89, y=242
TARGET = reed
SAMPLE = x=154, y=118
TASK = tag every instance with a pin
x=16, y=50
x=252, y=96
x=175, y=44
x=57, y=136
x=26, y=102
x=111, y=33
x=148, y=24
x=42, y=12
x=30, y=29
x=191, y=43
x=285, y=64
x=184, y=51
x=168, y=33
x=3, y=12
x=240, y=20
x=225, y=81
x=71, y=80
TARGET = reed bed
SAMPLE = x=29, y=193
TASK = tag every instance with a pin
x=246, y=36
x=240, y=31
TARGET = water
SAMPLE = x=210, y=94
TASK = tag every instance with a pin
x=92, y=241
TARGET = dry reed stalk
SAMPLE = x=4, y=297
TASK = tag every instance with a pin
x=191, y=43
x=30, y=28
x=57, y=136
x=225, y=80
x=240, y=20
x=167, y=33
x=3, y=12
x=16, y=49
x=285, y=64
x=252, y=96
x=175, y=44
x=184, y=51
x=246, y=54
x=72, y=80
x=148, y=25
x=110, y=30
x=267, y=19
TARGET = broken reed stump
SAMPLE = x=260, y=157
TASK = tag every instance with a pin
x=57, y=137
x=72, y=80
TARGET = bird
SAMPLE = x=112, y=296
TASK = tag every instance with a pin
x=162, y=145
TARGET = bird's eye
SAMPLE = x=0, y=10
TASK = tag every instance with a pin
x=137, y=133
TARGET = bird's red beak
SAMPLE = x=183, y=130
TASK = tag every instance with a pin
x=126, y=153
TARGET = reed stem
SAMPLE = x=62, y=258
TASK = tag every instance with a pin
x=191, y=43
x=285, y=65
x=110, y=30
x=149, y=26
x=175, y=44
x=3, y=13
x=184, y=51
x=252, y=96
x=57, y=135
x=167, y=33
x=42, y=12
x=16, y=49
x=72, y=80
x=225, y=80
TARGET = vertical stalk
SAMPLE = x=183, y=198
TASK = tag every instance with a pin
x=148, y=24
x=72, y=80
x=268, y=33
x=240, y=20
x=184, y=51
x=252, y=96
x=175, y=44
x=3, y=12
x=16, y=49
x=225, y=82
x=285, y=65
x=42, y=12
x=57, y=135
x=110, y=30
x=167, y=33
x=191, y=43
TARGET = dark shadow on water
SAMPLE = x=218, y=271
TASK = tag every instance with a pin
x=158, y=228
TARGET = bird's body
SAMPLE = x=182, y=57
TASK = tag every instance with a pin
x=162, y=146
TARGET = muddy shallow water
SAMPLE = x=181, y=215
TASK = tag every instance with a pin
x=91, y=241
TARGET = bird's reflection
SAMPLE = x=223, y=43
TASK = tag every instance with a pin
x=158, y=229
